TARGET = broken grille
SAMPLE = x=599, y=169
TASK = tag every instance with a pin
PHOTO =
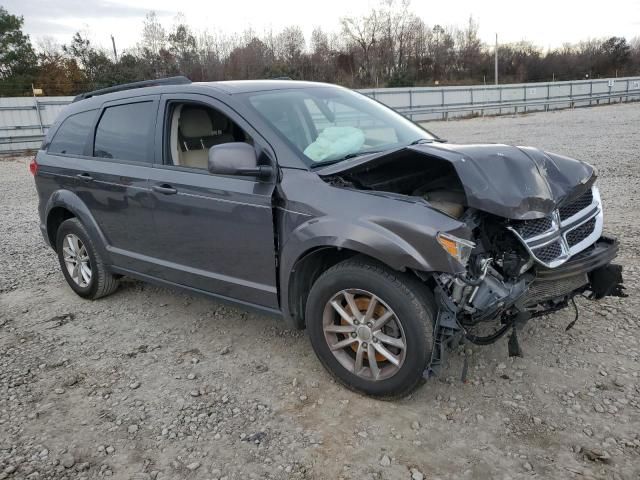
x=541, y=291
x=578, y=234
x=532, y=228
x=548, y=253
x=584, y=201
x=554, y=239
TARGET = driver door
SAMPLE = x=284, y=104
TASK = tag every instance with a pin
x=213, y=233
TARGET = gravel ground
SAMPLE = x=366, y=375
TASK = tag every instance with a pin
x=154, y=383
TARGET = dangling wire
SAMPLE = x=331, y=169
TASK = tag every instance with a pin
x=575, y=307
x=488, y=339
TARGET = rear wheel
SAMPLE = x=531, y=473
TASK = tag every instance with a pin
x=371, y=327
x=81, y=264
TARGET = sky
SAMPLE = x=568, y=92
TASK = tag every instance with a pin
x=547, y=23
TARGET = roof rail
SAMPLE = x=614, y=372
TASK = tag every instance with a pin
x=179, y=80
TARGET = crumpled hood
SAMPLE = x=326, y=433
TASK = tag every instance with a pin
x=512, y=182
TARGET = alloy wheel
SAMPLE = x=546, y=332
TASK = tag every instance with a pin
x=76, y=259
x=364, y=334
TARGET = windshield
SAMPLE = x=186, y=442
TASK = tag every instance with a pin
x=328, y=124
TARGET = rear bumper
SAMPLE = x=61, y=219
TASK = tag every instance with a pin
x=576, y=275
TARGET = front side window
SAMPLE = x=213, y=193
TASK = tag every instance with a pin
x=124, y=132
x=72, y=135
x=193, y=128
x=331, y=124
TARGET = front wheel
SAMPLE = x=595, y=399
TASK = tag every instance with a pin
x=371, y=327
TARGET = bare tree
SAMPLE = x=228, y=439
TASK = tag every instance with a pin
x=397, y=22
x=154, y=36
x=364, y=32
x=469, y=49
x=290, y=45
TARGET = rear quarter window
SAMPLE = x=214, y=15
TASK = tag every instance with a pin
x=124, y=132
x=71, y=137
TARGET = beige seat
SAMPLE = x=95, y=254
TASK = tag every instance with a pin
x=198, y=133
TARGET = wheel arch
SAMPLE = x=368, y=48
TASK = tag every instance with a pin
x=306, y=270
x=309, y=266
x=55, y=217
x=64, y=204
x=319, y=243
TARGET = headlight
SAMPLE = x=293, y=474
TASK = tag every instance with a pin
x=458, y=248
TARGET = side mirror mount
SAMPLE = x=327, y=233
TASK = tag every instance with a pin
x=237, y=158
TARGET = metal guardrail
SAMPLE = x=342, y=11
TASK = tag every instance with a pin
x=36, y=105
x=24, y=121
x=21, y=139
x=434, y=103
x=529, y=105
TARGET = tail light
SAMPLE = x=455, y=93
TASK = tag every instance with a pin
x=33, y=167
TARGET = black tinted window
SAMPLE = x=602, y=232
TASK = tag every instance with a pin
x=124, y=132
x=72, y=134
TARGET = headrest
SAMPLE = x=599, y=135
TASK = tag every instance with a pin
x=195, y=122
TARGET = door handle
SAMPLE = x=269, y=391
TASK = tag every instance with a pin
x=84, y=176
x=164, y=189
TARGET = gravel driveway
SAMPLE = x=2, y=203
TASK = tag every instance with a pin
x=154, y=383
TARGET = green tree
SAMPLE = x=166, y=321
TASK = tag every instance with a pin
x=617, y=54
x=183, y=47
x=94, y=63
x=18, y=60
x=59, y=75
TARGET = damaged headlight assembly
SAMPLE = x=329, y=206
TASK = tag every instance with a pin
x=482, y=291
x=458, y=248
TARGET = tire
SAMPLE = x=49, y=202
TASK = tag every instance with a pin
x=413, y=309
x=101, y=282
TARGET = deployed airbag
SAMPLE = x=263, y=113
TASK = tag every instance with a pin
x=335, y=142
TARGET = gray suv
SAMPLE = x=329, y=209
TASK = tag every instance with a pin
x=319, y=205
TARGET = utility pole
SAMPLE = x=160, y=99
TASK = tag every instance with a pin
x=37, y=91
x=115, y=52
x=496, y=60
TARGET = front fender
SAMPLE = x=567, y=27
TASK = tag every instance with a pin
x=71, y=202
x=399, y=244
x=364, y=236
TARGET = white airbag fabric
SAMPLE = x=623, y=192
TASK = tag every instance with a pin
x=335, y=142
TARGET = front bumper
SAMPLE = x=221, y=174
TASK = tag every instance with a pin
x=590, y=269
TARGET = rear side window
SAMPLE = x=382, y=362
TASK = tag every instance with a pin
x=73, y=133
x=124, y=132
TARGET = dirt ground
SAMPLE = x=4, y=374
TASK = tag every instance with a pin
x=152, y=383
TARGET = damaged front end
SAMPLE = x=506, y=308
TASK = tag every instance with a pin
x=500, y=293
x=536, y=221
x=520, y=269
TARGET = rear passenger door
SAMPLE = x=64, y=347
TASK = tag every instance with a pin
x=113, y=182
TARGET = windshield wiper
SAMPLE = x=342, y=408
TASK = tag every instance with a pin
x=428, y=140
x=346, y=157
x=359, y=154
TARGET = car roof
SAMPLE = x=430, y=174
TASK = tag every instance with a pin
x=246, y=86
x=231, y=87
